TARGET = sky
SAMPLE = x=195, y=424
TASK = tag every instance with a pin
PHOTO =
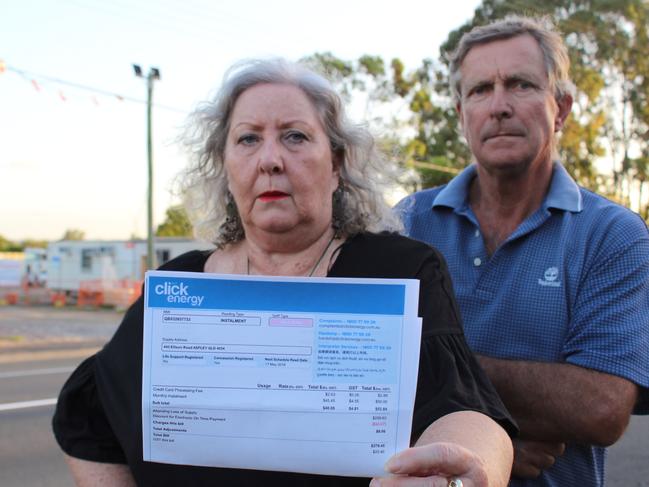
x=72, y=158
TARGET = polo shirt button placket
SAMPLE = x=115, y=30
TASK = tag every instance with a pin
x=477, y=261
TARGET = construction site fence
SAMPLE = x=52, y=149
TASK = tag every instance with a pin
x=94, y=293
x=119, y=294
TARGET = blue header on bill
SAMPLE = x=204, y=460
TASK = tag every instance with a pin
x=264, y=295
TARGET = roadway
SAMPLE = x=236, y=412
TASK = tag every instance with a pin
x=31, y=377
x=29, y=455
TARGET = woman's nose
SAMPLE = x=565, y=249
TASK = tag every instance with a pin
x=270, y=158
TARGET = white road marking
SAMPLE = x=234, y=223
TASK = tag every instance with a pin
x=25, y=373
x=10, y=406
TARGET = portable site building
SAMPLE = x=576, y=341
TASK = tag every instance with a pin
x=23, y=268
x=70, y=263
x=35, y=271
x=11, y=268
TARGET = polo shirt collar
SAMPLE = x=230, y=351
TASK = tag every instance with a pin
x=455, y=193
x=563, y=193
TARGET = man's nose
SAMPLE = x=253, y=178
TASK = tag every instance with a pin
x=270, y=158
x=501, y=105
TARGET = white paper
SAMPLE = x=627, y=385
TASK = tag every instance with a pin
x=313, y=375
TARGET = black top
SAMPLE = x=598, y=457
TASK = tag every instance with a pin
x=99, y=412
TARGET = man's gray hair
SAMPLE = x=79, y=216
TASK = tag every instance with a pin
x=358, y=204
x=555, y=53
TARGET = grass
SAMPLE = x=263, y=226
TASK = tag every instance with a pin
x=12, y=338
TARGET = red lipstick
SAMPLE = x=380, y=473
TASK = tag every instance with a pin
x=272, y=196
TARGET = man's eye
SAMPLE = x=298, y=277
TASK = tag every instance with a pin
x=523, y=85
x=295, y=137
x=479, y=90
x=247, y=139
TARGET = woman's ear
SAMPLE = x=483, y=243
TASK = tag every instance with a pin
x=337, y=158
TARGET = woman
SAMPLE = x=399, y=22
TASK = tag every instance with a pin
x=288, y=187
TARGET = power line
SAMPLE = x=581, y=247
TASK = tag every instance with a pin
x=92, y=89
x=169, y=18
x=434, y=167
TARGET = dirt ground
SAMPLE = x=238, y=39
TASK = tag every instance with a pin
x=31, y=326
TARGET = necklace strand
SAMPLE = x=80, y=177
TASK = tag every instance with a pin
x=315, y=266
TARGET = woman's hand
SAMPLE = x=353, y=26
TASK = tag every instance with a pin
x=466, y=445
x=433, y=465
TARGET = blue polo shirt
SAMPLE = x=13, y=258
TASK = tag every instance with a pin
x=570, y=284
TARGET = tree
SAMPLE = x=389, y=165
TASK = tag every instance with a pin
x=176, y=224
x=419, y=127
x=34, y=243
x=608, y=45
x=7, y=245
x=436, y=150
x=73, y=234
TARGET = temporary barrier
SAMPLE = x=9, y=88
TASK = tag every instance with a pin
x=58, y=299
x=119, y=293
x=123, y=294
x=91, y=293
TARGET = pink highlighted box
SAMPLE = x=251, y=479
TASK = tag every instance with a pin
x=299, y=322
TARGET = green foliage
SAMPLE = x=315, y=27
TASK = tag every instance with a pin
x=176, y=224
x=73, y=234
x=34, y=243
x=7, y=245
x=608, y=45
x=422, y=125
x=339, y=72
x=609, y=49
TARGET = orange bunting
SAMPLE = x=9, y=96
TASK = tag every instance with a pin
x=3, y=66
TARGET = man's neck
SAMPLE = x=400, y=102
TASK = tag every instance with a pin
x=502, y=202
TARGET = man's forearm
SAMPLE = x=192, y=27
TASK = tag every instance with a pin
x=563, y=402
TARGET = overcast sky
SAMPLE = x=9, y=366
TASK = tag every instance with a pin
x=73, y=158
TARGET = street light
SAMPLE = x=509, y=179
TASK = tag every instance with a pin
x=154, y=74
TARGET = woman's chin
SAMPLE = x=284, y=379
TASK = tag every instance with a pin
x=276, y=226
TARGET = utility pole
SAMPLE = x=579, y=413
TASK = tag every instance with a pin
x=154, y=74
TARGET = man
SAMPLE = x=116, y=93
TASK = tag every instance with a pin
x=552, y=280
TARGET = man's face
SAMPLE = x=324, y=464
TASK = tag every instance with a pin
x=508, y=112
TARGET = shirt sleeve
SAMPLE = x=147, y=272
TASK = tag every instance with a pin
x=609, y=331
x=80, y=425
x=450, y=377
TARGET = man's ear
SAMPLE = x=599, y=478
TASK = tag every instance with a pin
x=564, y=105
x=460, y=114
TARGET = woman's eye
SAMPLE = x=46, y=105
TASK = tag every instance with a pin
x=247, y=139
x=295, y=137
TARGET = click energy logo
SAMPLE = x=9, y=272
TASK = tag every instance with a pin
x=177, y=292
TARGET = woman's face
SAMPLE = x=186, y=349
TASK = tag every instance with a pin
x=279, y=162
